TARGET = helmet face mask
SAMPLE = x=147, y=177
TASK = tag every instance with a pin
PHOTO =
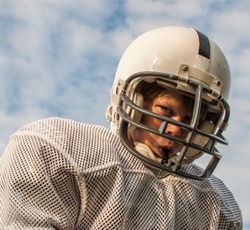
x=203, y=131
x=171, y=71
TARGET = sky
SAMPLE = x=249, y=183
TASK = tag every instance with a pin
x=59, y=57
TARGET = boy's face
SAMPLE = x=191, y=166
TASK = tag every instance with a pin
x=170, y=105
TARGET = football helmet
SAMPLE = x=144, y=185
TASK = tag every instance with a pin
x=185, y=60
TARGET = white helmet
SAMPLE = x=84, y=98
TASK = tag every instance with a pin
x=188, y=61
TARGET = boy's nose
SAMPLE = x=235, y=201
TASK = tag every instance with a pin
x=173, y=129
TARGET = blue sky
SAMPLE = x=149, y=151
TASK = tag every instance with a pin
x=58, y=58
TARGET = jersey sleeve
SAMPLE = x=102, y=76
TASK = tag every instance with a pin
x=37, y=188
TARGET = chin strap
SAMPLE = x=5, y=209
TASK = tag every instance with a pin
x=199, y=140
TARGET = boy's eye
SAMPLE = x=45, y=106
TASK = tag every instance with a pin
x=167, y=110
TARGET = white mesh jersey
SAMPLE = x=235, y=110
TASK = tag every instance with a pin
x=62, y=174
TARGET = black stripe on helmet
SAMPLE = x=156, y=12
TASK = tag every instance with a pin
x=204, y=49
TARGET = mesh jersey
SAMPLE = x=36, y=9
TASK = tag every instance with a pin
x=62, y=174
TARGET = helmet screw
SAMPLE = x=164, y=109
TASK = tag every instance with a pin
x=185, y=68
